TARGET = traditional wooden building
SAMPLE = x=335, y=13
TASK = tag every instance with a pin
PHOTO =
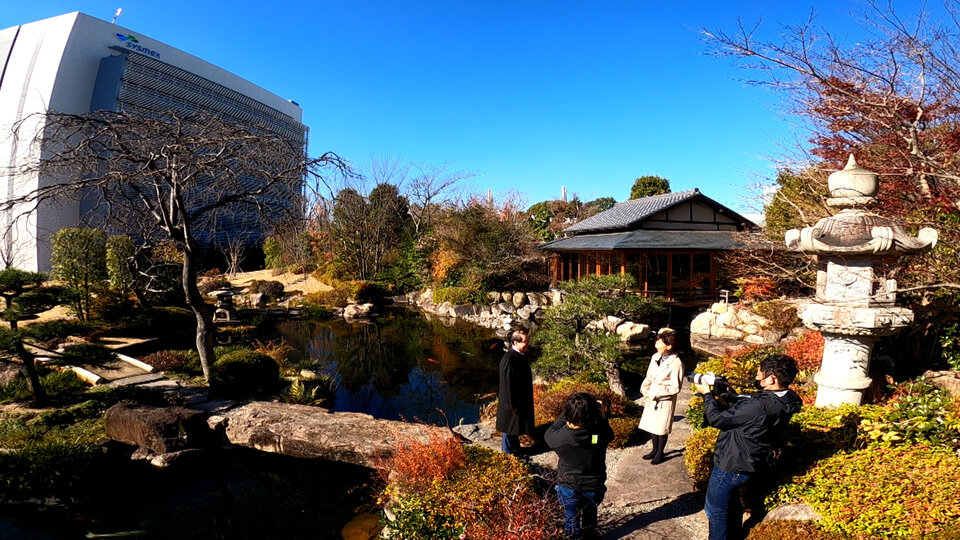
x=668, y=243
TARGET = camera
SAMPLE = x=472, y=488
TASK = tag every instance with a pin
x=721, y=386
x=709, y=378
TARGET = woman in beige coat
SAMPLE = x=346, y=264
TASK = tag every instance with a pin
x=660, y=388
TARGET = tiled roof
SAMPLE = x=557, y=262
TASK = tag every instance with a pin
x=627, y=213
x=658, y=239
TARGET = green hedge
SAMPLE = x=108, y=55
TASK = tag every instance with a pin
x=899, y=492
x=455, y=295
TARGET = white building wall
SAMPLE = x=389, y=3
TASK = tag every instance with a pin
x=53, y=66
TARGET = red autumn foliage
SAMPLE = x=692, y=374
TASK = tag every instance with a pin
x=807, y=351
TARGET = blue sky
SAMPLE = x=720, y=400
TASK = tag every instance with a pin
x=528, y=96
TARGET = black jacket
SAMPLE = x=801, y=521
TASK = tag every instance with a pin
x=582, y=453
x=750, y=428
x=515, y=400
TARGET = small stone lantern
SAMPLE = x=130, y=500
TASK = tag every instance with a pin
x=224, y=310
x=854, y=303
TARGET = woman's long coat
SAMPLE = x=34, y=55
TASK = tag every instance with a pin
x=515, y=405
x=660, y=388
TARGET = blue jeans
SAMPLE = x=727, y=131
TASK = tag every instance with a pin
x=510, y=444
x=579, y=511
x=720, y=494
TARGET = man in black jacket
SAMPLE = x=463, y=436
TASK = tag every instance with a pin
x=515, y=400
x=748, y=431
x=580, y=437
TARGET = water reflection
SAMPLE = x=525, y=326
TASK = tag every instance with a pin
x=401, y=365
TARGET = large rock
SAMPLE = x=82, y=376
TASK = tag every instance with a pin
x=311, y=432
x=475, y=433
x=506, y=296
x=464, y=310
x=751, y=328
x=506, y=307
x=719, y=307
x=519, y=299
x=772, y=337
x=945, y=380
x=701, y=323
x=792, y=512
x=748, y=317
x=631, y=331
x=525, y=313
x=556, y=297
x=493, y=297
x=728, y=319
x=611, y=323
x=158, y=429
x=726, y=333
x=357, y=311
x=533, y=299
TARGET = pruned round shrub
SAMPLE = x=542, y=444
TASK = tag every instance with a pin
x=698, y=455
x=244, y=372
x=270, y=288
x=903, y=491
x=47, y=333
x=625, y=431
x=782, y=315
x=207, y=286
x=790, y=530
x=364, y=292
x=173, y=360
x=87, y=354
x=454, y=295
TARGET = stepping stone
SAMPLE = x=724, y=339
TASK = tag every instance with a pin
x=137, y=379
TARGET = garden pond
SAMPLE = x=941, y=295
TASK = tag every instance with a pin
x=399, y=365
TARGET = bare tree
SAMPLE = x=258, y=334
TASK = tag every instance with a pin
x=234, y=252
x=183, y=172
x=430, y=187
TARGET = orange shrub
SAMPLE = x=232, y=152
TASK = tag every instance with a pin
x=419, y=464
x=807, y=351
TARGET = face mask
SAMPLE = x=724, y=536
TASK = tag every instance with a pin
x=757, y=385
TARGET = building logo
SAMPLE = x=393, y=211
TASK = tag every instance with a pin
x=133, y=43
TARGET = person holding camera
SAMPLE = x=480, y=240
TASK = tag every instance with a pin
x=749, y=430
x=580, y=437
x=660, y=388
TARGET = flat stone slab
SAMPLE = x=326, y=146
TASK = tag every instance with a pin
x=137, y=379
x=313, y=432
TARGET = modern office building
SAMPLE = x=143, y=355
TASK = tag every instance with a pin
x=78, y=64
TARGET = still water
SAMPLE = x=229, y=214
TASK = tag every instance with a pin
x=401, y=365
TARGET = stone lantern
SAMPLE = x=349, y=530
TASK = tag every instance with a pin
x=854, y=304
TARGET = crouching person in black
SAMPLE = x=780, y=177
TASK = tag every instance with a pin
x=580, y=437
x=748, y=431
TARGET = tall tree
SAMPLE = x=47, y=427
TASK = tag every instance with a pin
x=182, y=171
x=648, y=186
x=79, y=259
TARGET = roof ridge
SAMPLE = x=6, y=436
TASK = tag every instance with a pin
x=661, y=195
